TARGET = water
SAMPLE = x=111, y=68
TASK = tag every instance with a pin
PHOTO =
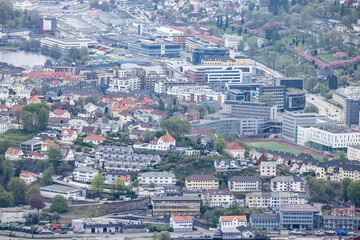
x=22, y=58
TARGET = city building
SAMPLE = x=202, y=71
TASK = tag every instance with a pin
x=47, y=25
x=65, y=191
x=353, y=152
x=242, y=109
x=349, y=99
x=235, y=150
x=124, y=84
x=328, y=137
x=335, y=170
x=291, y=121
x=290, y=82
x=64, y=44
x=277, y=93
x=265, y=221
x=14, y=214
x=84, y=174
x=28, y=177
x=196, y=94
x=200, y=53
x=299, y=216
x=164, y=143
x=217, y=198
x=175, y=206
x=153, y=49
x=231, y=222
x=181, y=223
x=200, y=182
x=295, y=99
x=274, y=200
x=287, y=184
x=244, y=184
x=156, y=179
x=31, y=145
x=268, y=169
x=113, y=175
x=342, y=209
x=345, y=223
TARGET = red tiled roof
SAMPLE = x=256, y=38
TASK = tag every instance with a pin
x=95, y=138
x=167, y=138
x=3, y=106
x=181, y=218
x=34, y=99
x=231, y=218
x=48, y=142
x=12, y=150
x=70, y=132
x=59, y=111
x=235, y=147
x=25, y=174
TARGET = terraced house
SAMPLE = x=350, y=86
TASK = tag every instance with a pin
x=335, y=170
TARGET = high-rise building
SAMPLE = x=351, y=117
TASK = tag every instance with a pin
x=291, y=121
x=278, y=94
x=47, y=25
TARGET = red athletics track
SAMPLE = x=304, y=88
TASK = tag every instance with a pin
x=285, y=143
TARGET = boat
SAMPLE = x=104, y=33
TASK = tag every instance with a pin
x=319, y=233
x=330, y=232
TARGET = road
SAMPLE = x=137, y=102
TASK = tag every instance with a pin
x=330, y=111
x=266, y=69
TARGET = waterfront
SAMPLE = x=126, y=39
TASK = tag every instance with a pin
x=21, y=58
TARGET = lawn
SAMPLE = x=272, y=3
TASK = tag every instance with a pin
x=279, y=147
x=16, y=136
x=328, y=57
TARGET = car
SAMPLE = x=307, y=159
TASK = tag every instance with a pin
x=112, y=233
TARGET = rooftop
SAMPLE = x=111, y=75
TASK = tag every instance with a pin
x=298, y=208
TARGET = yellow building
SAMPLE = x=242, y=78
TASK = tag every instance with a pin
x=175, y=206
x=235, y=150
x=125, y=117
x=199, y=182
x=334, y=170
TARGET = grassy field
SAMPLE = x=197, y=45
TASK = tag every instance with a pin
x=328, y=57
x=16, y=136
x=279, y=147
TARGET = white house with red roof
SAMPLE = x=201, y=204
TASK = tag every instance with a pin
x=28, y=177
x=58, y=113
x=163, y=143
x=232, y=222
x=34, y=99
x=181, y=223
x=235, y=150
x=95, y=139
x=47, y=143
x=13, y=153
x=68, y=135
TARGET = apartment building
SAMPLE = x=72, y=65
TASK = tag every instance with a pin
x=335, y=170
x=244, y=184
x=200, y=182
x=157, y=179
x=291, y=122
x=299, y=216
x=342, y=209
x=288, y=184
x=181, y=223
x=175, y=206
x=84, y=174
x=268, y=169
x=242, y=109
x=274, y=199
x=124, y=84
x=353, y=152
x=217, y=198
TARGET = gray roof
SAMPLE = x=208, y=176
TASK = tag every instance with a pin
x=155, y=198
x=245, y=179
x=298, y=208
x=287, y=179
x=85, y=169
x=32, y=141
x=158, y=174
x=264, y=217
x=58, y=187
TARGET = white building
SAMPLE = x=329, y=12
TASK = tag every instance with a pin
x=274, y=199
x=4, y=93
x=4, y=126
x=244, y=184
x=157, y=179
x=65, y=44
x=181, y=223
x=291, y=121
x=217, y=198
x=353, y=152
x=68, y=135
x=124, y=85
x=15, y=214
x=84, y=174
x=288, y=184
x=268, y=168
x=232, y=222
x=66, y=191
x=28, y=177
x=331, y=136
x=163, y=143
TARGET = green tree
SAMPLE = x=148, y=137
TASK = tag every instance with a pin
x=84, y=53
x=7, y=171
x=163, y=235
x=35, y=117
x=260, y=234
x=176, y=127
x=354, y=192
x=201, y=109
x=47, y=176
x=18, y=188
x=6, y=12
x=54, y=52
x=148, y=135
x=55, y=156
x=97, y=184
x=267, y=98
x=311, y=83
x=291, y=70
x=32, y=190
x=342, y=158
x=59, y=204
x=344, y=190
x=251, y=6
x=220, y=144
x=311, y=109
x=117, y=188
x=161, y=105
x=73, y=54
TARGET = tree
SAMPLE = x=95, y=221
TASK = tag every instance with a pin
x=117, y=188
x=333, y=82
x=6, y=12
x=7, y=171
x=148, y=135
x=260, y=234
x=97, y=184
x=161, y=105
x=35, y=117
x=220, y=144
x=54, y=154
x=73, y=54
x=47, y=176
x=342, y=158
x=54, y=52
x=291, y=70
x=18, y=188
x=311, y=83
x=32, y=190
x=163, y=235
x=251, y=6
x=105, y=7
x=59, y=204
x=36, y=201
x=344, y=192
x=271, y=58
x=311, y=109
x=84, y=53
x=6, y=199
x=354, y=192
x=208, y=215
x=200, y=108
x=176, y=127
x=267, y=98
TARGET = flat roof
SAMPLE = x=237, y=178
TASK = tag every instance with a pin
x=58, y=187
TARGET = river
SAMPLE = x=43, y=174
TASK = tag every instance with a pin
x=21, y=58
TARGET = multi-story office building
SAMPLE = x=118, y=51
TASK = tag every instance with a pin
x=47, y=25
x=353, y=152
x=64, y=44
x=241, y=109
x=152, y=49
x=200, y=182
x=192, y=43
x=175, y=206
x=274, y=199
x=346, y=223
x=244, y=184
x=290, y=82
x=217, y=198
x=299, y=216
x=230, y=60
x=268, y=169
x=124, y=84
x=200, y=53
x=349, y=99
x=295, y=99
x=278, y=94
x=335, y=170
x=196, y=94
x=328, y=137
x=265, y=221
x=291, y=121
x=287, y=184
x=157, y=179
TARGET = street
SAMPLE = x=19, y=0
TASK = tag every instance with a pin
x=326, y=109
